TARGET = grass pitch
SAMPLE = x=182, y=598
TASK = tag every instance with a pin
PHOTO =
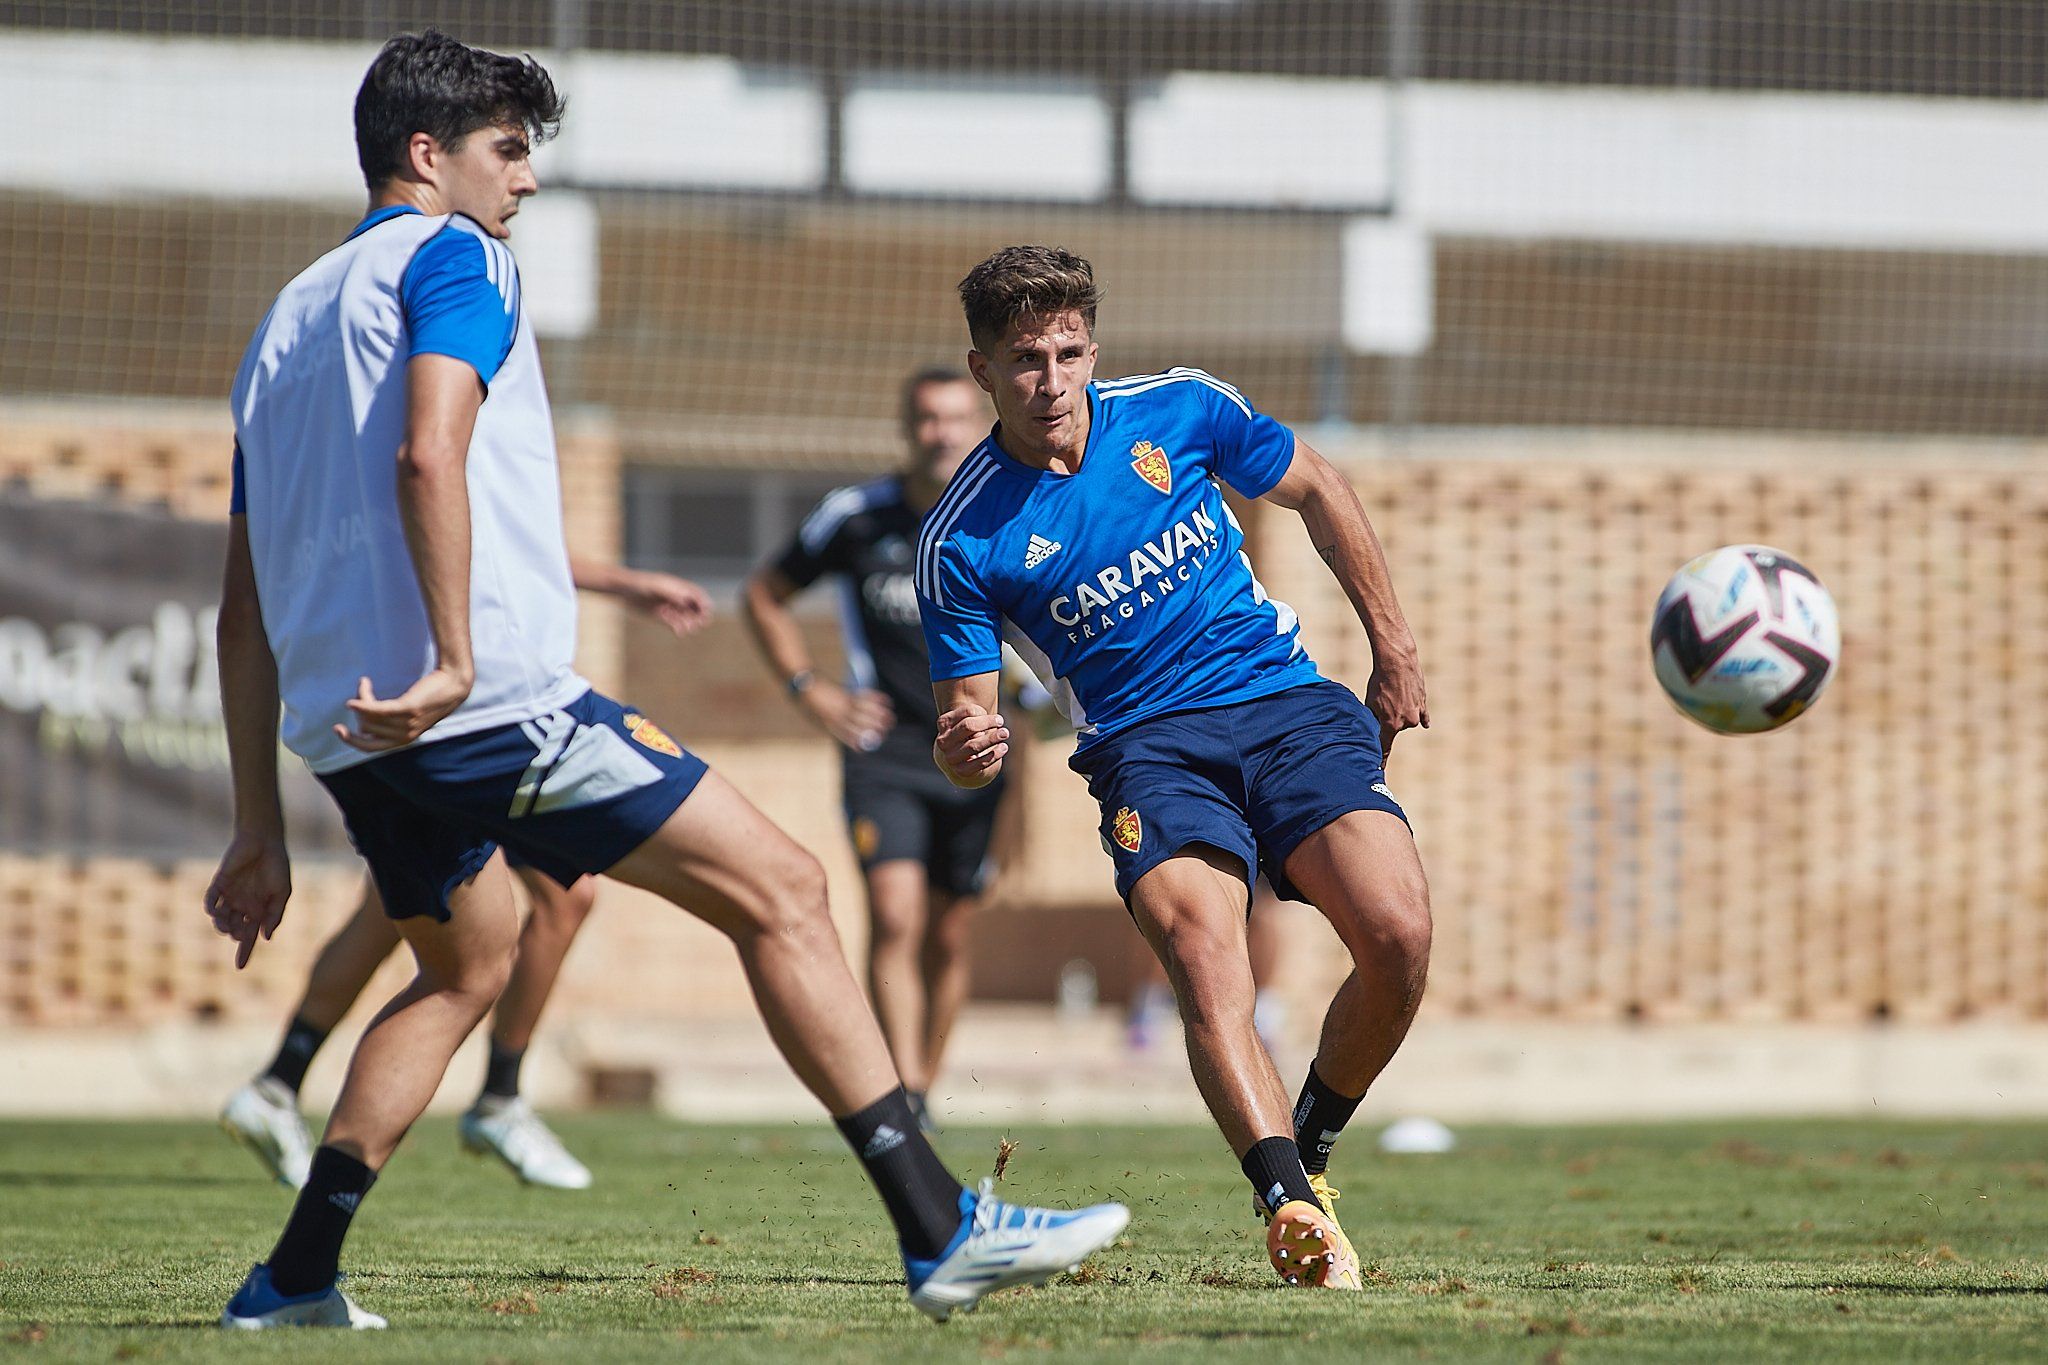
x=1710, y=1242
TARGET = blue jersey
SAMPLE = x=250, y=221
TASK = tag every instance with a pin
x=1125, y=584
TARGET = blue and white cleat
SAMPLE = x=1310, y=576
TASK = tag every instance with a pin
x=1000, y=1245
x=256, y=1305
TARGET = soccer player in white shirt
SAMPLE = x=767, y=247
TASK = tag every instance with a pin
x=398, y=536
x=263, y=1114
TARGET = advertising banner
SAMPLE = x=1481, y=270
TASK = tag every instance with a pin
x=111, y=740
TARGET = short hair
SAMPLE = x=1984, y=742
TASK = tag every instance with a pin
x=430, y=83
x=1020, y=281
x=929, y=375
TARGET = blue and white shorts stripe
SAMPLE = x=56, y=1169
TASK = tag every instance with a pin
x=570, y=793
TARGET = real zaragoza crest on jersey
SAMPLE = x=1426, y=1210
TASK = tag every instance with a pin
x=1128, y=829
x=1152, y=466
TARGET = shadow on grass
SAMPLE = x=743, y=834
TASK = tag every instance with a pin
x=500, y=1275
x=1933, y=1291
x=49, y=1180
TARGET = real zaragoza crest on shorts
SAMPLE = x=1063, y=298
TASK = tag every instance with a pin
x=1128, y=829
x=1152, y=466
x=652, y=735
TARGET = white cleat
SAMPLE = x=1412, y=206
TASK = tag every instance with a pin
x=1001, y=1245
x=512, y=1132
x=264, y=1117
x=257, y=1306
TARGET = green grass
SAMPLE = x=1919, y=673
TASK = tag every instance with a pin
x=1756, y=1241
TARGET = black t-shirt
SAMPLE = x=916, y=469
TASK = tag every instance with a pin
x=866, y=536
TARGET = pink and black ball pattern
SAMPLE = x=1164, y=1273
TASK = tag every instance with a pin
x=1744, y=639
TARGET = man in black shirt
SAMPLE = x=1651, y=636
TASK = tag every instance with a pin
x=922, y=841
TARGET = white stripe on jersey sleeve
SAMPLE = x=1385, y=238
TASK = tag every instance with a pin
x=979, y=469
x=827, y=517
x=836, y=508
x=1124, y=388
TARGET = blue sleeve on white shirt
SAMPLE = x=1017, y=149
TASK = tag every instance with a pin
x=461, y=298
x=238, y=494
x=1253, y=451
x=962, y=632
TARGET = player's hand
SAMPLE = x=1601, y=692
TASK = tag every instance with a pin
x=404, y=718
x=246, y=898
x=971, y=744
x=858, y=719
x=677, y=603
x=1395, y=695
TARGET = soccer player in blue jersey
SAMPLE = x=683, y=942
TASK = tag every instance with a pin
x=1090, y=528
x=397, y=535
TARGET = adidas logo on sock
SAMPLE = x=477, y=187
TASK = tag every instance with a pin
x=886, y=1139
x=1275, y=1197
x=1039, y=550
x=345, y=1201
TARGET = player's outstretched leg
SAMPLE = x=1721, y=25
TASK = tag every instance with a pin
x=1363, y=872
x=725, y=862
x=463, y=965
x=1191, y=909
x=264, y=1114
x=501, y=1122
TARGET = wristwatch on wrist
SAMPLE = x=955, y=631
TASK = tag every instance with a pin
x=800, y=682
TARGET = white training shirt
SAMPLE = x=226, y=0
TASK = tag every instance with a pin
x=319, y=407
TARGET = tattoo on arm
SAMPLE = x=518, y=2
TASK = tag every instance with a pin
x=1329, y=554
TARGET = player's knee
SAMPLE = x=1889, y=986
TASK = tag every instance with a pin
x=948, y=932
x=475, y=980
x=1395, y=926
x=897, y=922
x=793, y=901
x=564, y=912
x=1211, y=973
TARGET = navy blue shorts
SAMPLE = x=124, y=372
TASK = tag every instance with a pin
x=569, y=793
x=1253, y=779
x=910, y=811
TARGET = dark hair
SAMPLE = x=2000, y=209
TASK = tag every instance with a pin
x=430, y=83
x=924, y=378
x=1020, y=281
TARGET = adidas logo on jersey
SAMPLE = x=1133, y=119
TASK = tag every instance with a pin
x=1039, y=550
x=886, y=1139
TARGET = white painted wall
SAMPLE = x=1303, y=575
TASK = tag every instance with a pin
x=115, y=115
x=984, y=139
x=1200, y=138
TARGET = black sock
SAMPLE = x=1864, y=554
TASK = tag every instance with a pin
x=922, y=1195
x=1319, y=1116
x=1273, y=1165
x=295, y=1053
x=501, y=1077
x=308, y=1254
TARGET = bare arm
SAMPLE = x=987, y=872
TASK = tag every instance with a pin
x=248, y=894
x=677, y=603
x=442, y=398
x=973, y=738
x=856, y=719
x=1338, y=528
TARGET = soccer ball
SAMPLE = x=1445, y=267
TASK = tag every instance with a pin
x=1744, y=639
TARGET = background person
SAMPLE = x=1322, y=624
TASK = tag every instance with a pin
x=923, y=843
